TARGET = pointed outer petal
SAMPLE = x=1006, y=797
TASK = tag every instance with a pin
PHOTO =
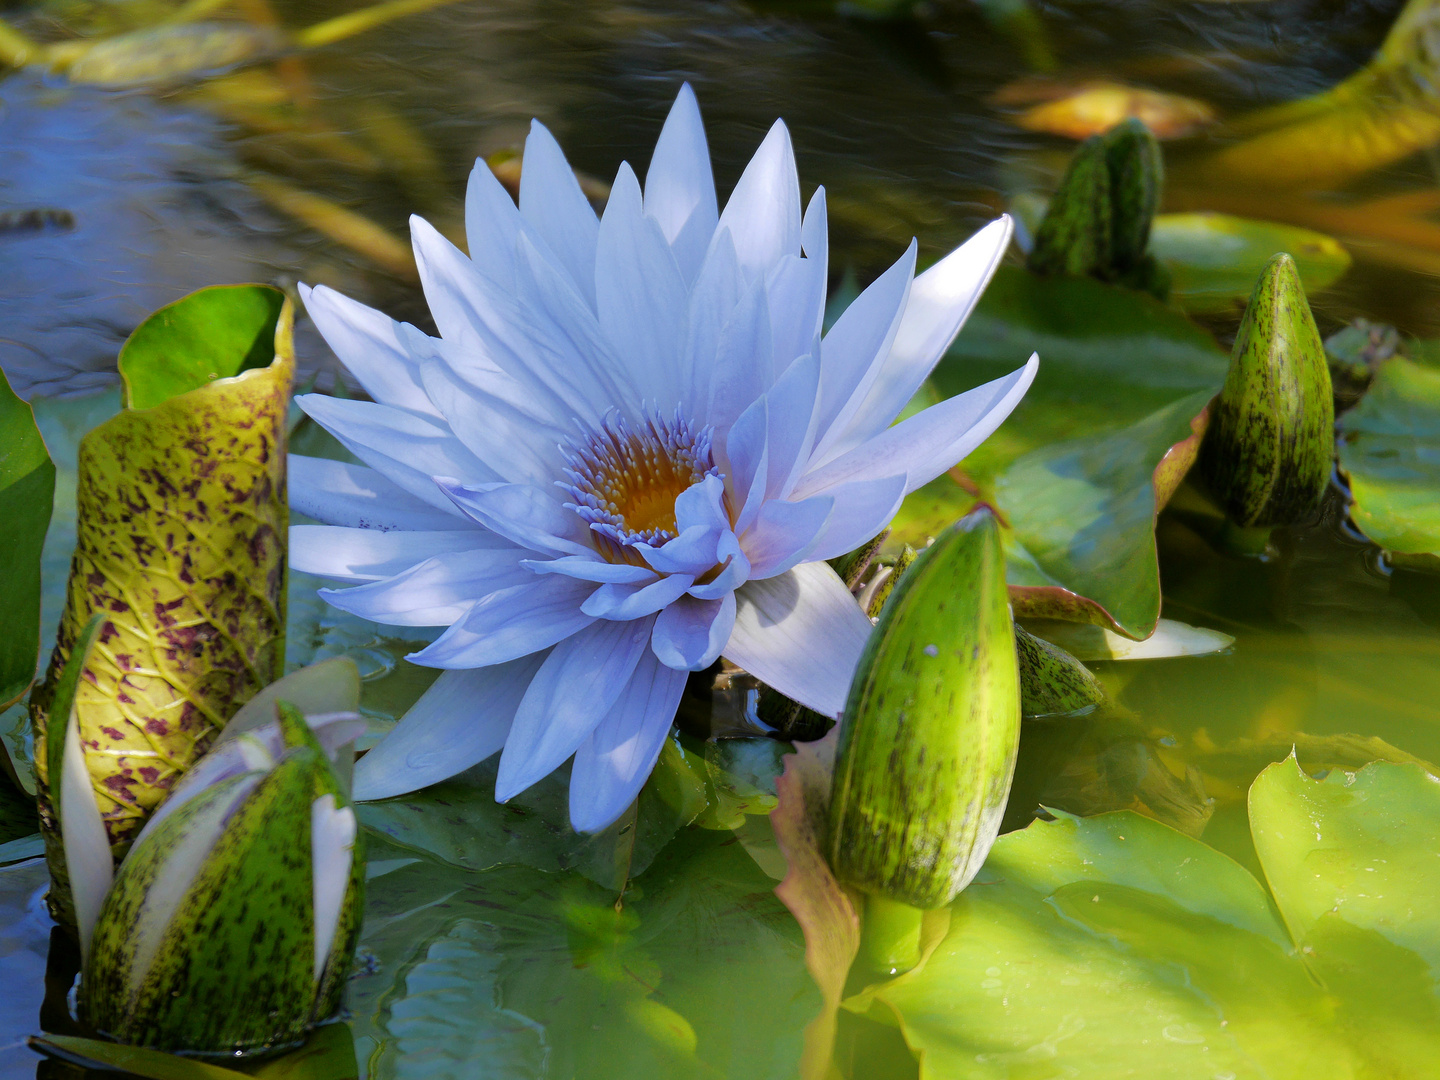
x=612, y=765
x=405, y=447
x=623, y=603
x=520, y=446
x=858, y=345
x=802, y=633
x=87, y=847
x=929, y=442
x=552, y=202
x=576, y=358
x=690, y=634
x=357, y=497
x=372, y=346
x=748, y=462
x=763, y=214
x=783, y=534
x=680, y=186
x=575, y=687
x=332, y=851
x=438, y=591
x=359, y=555
x=640, y=294
x=741, y=369
x=492, y=225
x=460, y=721
x=815, y=236
x=530, y=517
x=507, y=326
x=796, y=292
x=861, y=510
x=941, y=299
x=713, y=300
x=792, y=424
x=187, y=854
x=591, y=569
x=511, y=623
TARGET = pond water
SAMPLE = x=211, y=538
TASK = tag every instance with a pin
x=494, y=944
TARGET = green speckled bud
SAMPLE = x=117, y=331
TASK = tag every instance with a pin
x=1137, y=176
x=928, y=740
x=1099, y=219
x=232, y=921
x=1052, y=682
x=1268, y=451
x=1075, y=236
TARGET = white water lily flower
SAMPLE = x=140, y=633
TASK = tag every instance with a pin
x=626, y=454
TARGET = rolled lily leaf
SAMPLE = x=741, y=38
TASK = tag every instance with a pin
x=927, y=747
x=232, y=921
x=181, y=544
x=27, y=489
x=1271, y=441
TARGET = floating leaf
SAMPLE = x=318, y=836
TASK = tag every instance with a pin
x=1214, y=259
x=1095, y=107
x=1390, y=448
x=182, y=528
x=27, y=491
x=170, y=54
x=1115, y=946
x=1085, y=510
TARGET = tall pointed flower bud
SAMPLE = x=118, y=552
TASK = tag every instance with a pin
x=230, y=925
x=1075, y=236
x=1099, y=219
x=928, y=740
x=1268, y=450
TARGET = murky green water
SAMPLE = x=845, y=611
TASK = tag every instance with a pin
x=906, y=125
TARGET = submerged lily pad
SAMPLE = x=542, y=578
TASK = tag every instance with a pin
x=1114, y=946
x=1390, y=446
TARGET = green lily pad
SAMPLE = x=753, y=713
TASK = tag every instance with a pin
x=1084, y=512
x=27, y=490
x=1114, y=946
x=1214, y=259
x=1390, y=447
x=1108, y=357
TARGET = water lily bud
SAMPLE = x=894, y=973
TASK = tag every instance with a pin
x=1099, y=219
x=875, y=597
x=1075, y=236
x=1137, y=176
x=1052, y=682
x=231, y=923
x=1267, y=453
x=928, y=740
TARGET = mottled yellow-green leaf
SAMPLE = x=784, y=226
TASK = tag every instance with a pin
x=181, y=543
